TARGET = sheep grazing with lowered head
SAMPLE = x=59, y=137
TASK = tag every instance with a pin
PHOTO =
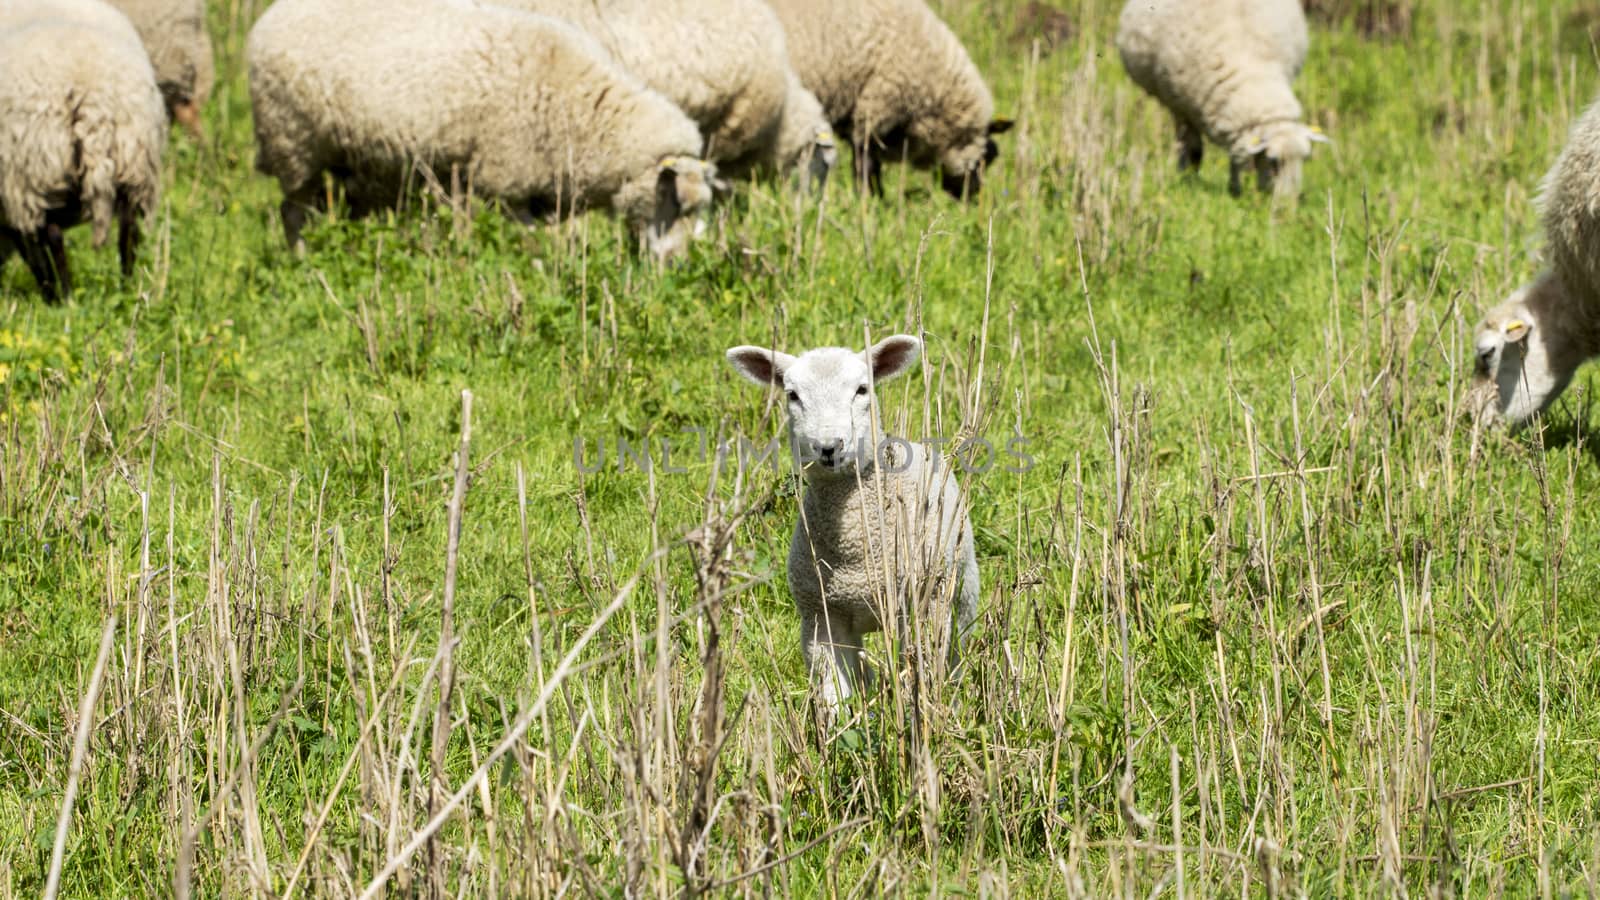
x=723, y=62
x=1225, y=70
x=883, y=527
x=1529, y=346
x=174, y=34
x=81, y=133
x=897, y=84
x=521, y=108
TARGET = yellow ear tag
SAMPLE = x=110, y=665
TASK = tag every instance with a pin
x=1514, y=326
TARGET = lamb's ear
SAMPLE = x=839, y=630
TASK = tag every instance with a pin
x=1513, y=330
x=891, y=356
x=1317, y=135
x=760, y=365
x=999, y=125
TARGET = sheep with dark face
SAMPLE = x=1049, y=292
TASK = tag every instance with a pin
x=1530, y=345
x=897, y=84
x=883, y=526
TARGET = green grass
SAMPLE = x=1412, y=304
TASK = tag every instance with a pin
x=1258, y=539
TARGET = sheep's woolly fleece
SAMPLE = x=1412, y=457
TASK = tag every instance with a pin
x=88, y=125
x=527, y=109
x=175, y=37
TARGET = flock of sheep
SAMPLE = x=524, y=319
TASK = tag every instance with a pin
x=642, y=108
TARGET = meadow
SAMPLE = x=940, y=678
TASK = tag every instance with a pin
x=1267, y=614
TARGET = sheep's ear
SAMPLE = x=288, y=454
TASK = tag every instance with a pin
x=1317, y=135
x=1513, y=330
x=1254, y=143
x=999, y=125
x=760, y=365
x=891, y=356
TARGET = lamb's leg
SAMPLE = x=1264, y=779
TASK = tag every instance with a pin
x=46, y=255
x=832, y=648
x=1236, y=168
x=1191, y=144
x=55, y=238
x=966, y=611
x=127, y=237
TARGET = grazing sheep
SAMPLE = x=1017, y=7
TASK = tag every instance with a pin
x=524, y=108
x=81, y=133
x=896, y=83
x=174, y=34
x=724, y=62
x=882, y=524
x=1224, y=69
x=1530, y=345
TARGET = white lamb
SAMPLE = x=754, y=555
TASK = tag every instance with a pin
x=1531, y=344
x=525, y=109
x=1225, y=69
x=896, y=83
x=174, y=34
x=882, y=523
x=81, y=133
x=724, y=62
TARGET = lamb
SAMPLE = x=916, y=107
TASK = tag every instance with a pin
x=896, y=83
x=724, y=62
x=881, y=525
x=1529, y=346
x=1224, y=69
x=174, y=34
x=81, y=134
x=528, y=110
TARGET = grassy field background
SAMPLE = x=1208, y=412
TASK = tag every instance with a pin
x=1267, y=615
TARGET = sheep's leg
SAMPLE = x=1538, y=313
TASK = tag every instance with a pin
x=46, y=255
x=127, y=237
x=869, y=169
x=832, y=648
x=296, y=203
x=966, y=611
x=1191, y=144
x=1236, y=168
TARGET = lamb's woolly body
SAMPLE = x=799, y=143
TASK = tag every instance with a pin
x=82, y=130
x=1530, y=345
x=724, y=62
x=889, y=68
x=883, y=534
x=862, y=541
x=526, y=109
x=1224, y=69
x=175, y=37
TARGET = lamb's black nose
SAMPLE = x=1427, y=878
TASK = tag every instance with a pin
x=826, y=454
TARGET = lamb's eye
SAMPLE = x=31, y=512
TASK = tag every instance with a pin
x=794, y=397
x=861, y=391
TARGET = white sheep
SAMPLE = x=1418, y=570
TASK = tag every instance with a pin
x=81, y=133
x=524, y=109
x=724, y=62
x=1225, y=70
x=896, y=83
x=882, y=523
x=1529, y=346
x=174, y=34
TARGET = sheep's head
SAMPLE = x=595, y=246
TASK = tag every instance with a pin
x=962, y=164
x=1528, y=350
x=1279, y=151
x=681, y=191
x=833, y=419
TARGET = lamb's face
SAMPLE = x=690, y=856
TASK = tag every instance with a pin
x=833, y=420
x=681, y=195
x=1523, y=355
x=1280, y=151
